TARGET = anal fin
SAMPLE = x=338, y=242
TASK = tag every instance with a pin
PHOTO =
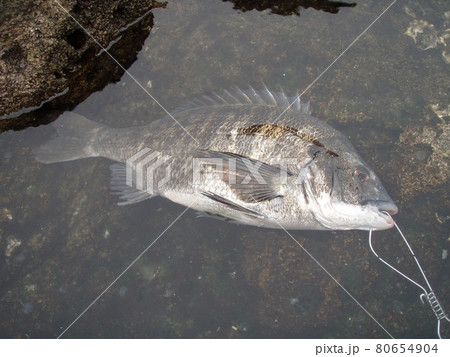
x=128, y=194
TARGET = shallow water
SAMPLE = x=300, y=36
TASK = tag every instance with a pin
x=64, y=240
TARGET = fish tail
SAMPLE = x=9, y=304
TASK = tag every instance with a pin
x=76, y=134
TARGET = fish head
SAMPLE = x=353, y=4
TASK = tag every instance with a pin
x=345, y=193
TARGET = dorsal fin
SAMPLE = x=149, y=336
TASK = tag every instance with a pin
x=249, y=96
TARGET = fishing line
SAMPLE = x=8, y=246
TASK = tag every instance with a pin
x=335, y=280
x=430, y=296
x=335, y=60
x=357, y=260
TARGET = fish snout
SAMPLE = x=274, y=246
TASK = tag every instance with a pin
x=384, y=209
x=382, y=206
x=386, y=206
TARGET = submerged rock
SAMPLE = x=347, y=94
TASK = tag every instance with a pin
x=12, y=244
x=427, y=35
x=426, y=172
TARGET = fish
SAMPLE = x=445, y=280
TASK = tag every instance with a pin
x=252, y=157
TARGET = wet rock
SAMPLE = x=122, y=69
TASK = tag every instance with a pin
x=5, y=215
x=424, y=34
x=441, y=113
x=45, y=54
x=420, y=155
x=427, y=172
x=427, y=35
x=11, y=244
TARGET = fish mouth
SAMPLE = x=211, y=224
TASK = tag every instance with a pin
x=385, y=209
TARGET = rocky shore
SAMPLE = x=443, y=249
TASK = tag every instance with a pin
x=47, y=59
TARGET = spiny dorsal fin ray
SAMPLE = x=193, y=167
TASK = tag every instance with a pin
x=249, y=96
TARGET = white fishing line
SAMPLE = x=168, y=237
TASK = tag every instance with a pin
x=123, y=68
x=337, y=282
x=430, y=296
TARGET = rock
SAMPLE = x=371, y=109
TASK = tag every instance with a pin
x=12, y=244
x=426, y=35
x=46, y=57
x=425, y=173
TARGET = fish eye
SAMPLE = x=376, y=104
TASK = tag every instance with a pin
x=361, y=175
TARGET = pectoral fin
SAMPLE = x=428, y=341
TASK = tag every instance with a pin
x=250, y=180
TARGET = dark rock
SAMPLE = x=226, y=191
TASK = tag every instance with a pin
x=44, y=52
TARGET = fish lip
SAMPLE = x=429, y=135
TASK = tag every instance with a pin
x=385, y=210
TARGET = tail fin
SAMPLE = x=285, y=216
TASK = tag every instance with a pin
x=75, y=134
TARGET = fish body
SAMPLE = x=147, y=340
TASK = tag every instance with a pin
x=240, y=156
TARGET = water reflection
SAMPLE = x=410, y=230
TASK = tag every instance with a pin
x=290, y=7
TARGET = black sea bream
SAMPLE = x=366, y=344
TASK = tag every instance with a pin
x=246, y=159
